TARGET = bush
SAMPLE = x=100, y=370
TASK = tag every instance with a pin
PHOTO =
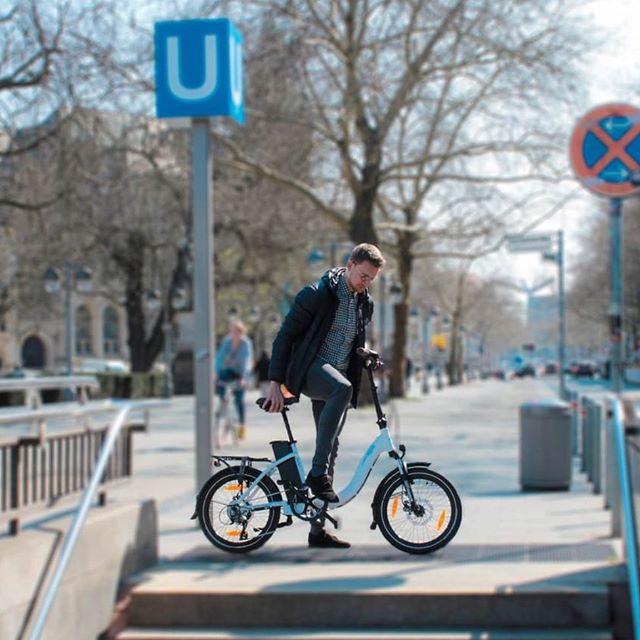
x=130, y=385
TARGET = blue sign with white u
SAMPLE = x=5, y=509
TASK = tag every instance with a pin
x=198, y=69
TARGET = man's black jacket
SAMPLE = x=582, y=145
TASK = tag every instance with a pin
x=306, y=326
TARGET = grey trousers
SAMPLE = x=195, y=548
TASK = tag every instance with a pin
x=330, y=394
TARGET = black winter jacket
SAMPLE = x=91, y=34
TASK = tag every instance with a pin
x=305, y=327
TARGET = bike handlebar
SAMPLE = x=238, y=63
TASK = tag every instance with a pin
x=371, y=358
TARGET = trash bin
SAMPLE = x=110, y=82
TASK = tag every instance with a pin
x=545, y=445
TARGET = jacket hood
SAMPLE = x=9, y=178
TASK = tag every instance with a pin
x=332, y=277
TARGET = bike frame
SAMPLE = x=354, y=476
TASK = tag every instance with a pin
x=381, y=444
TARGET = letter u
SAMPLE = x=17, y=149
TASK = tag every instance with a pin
x=210, y=81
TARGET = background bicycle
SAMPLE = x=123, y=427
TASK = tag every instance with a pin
x=226, y=426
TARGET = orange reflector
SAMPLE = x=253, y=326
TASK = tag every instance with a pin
x=394, y=506
x=233, y=487
x=440, y=524
x=233, y=534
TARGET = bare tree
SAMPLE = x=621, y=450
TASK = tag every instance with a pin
x=424, y=116
x=590, y=286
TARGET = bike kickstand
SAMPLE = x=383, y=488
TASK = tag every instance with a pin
x=332, y=520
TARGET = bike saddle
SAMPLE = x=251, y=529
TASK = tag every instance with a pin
x=371, y=358
x=287, y=401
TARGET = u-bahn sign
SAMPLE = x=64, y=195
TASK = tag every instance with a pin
x=605, y=150
x=198, y=69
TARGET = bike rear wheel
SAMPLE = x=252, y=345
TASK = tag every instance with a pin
x=426, y=525
x=238, y=526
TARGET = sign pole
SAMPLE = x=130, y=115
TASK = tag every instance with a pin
x=616, y=299
x=202, y=166
x=198, y=73
x=561, y=319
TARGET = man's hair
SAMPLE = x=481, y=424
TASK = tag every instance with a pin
x=366, y=252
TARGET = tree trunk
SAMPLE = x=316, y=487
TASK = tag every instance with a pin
x=398, y=355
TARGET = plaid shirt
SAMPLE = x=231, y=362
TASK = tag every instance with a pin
x=336, y=348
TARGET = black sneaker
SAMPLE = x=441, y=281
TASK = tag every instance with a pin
x=321, y=488
x=324, y=540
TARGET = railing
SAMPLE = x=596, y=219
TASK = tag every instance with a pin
x=110, y=440
x=606, y=440
x=629, y=514
x=40, y=469
x=32, y=388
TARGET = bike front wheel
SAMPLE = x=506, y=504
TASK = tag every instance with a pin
x=238, y=526
x=422, y=526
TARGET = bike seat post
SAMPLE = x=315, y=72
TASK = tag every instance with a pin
x=286, y=423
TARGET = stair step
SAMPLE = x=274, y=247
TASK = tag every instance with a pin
x=386, y=610
x=363, y=634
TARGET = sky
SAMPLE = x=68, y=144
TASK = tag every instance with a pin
x=614, y=77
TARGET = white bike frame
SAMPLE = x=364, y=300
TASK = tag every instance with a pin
x=382, y=444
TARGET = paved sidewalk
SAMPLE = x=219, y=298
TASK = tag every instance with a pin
x=508, y=539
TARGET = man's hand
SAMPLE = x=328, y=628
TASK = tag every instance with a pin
x=274, y=402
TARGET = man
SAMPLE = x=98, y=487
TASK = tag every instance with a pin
x=315, y=353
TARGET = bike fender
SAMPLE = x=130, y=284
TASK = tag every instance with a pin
x=203, y=489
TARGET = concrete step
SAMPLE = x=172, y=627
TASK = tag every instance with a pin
x=363, y=634
x=525, y=610
x=243, y=594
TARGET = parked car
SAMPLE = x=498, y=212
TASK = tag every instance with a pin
x=584, y=370
x=550, y=368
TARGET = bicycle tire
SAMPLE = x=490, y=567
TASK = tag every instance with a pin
x=417, y=533
x=237, y=529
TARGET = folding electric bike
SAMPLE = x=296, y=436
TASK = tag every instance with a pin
x=239, y=507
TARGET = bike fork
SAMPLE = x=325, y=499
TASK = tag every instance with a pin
x=404, y=474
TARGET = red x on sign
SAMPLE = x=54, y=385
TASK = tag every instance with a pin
x=605, y=150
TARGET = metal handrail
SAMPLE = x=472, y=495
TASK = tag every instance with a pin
x=628, y=510
x=48, y=382
x=81, y=513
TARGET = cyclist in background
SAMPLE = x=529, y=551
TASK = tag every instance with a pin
x=234, y=362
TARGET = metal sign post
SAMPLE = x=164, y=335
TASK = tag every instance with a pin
x=543, y=243
x=198, y=75
x=605, y=155
x=616, y=301
x=204, y=347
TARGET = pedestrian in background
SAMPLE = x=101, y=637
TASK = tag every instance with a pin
x=261, y=373
x=233, y=366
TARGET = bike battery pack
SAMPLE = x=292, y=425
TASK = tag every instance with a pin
x=288, y=468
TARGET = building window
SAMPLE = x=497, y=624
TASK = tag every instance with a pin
x=111, y=332
x=83, y=331
x=33, y=353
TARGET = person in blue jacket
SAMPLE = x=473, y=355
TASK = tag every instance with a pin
x=233, y=366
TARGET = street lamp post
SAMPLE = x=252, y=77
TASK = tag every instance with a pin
x=543, y=244
x=432, y=312
x=81, y=276
x=557, y=257
x=167, y=302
